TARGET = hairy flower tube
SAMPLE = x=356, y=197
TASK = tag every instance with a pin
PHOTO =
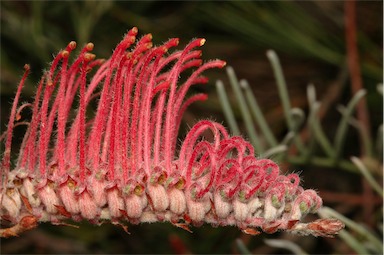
x=123, y=163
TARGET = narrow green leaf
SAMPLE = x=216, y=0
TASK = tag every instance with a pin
x=226, y=105
x=314, y=124
x=249, y=125
x=285, y=244
x=242, y=248
x=257, y=114
x=368, y=176
x=284, y=96
x=343, y=125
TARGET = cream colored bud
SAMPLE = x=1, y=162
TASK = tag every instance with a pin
x=133, y=206
x=177, y=202
x=295, y=212
x=223, y=208
x=159, y=197
x=270, y=211
x=12, y=202
x=241, y=210
x=49, y=198
x=69, y=199
x=29, y=192
x=115, y=202
x=254, y=206
x=88, y=207
x=197, y=209
x=97, y=188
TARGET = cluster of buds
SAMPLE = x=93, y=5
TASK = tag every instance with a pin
x=122, y=162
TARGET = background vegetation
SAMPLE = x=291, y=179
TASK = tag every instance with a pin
x=310, y=40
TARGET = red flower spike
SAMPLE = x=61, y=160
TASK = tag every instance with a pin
x=122, y=163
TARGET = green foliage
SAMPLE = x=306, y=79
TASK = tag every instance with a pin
x=300, y=32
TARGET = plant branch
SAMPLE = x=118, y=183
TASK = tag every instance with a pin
x=355, y=72
x=357, y=85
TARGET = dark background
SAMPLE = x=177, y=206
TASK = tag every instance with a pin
x=309, y=38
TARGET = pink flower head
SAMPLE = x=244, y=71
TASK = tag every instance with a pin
x=123, y=163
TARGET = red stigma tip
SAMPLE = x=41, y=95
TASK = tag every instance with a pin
x=133, y=31
x=65, y=54
x=27, y=67
x=72, y=45
x=89, y=46
x=89, y=56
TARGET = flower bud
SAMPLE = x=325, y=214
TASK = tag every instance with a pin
x=115, y=202
x=29, y=191
x=158, y=196
x=177, y=202
x=222, y=207
x=198, y=209
x=68, y=197
x=12, y=202
x=49, y=198
x=88, y=208
x=134, y=206
x=97, y=188
x=240, y=209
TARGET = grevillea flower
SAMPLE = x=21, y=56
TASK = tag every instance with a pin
x=123, y=162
